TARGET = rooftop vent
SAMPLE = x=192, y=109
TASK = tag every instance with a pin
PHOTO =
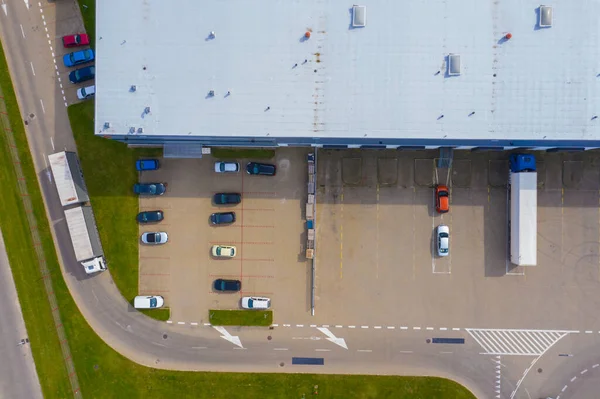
x=107, y=125
x=133, y=88
x=131, y=130
x=147, y=110
x=140, y=130
x=359, y=16
x=545, y=17
x=453, y=64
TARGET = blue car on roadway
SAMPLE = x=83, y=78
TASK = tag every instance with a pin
x=78, y=57
x=146, y=164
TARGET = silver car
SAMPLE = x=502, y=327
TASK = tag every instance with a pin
x=443, y=240
x=227, y=167
x=160, y=237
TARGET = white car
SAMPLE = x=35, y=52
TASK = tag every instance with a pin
x=255, y=302
x=160, y=237
x=86, y=92
x=148, y=302
x=443, y=240
x=227, y=167
x=223, y=251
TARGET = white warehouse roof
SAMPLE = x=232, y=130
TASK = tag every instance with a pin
x=388, y=79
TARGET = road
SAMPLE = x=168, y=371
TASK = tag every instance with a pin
x=18, y=378
x=30, y=34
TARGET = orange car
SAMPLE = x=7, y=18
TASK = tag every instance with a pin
x=442, y=199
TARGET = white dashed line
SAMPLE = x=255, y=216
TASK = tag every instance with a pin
x=456, y=329
x=275, y=325
x=364, y=326
x=59, y=81
x=53, y=54
x=390, y=327
x=207, y=324
x=338, y=326
x=169, y=322
x=286, y=325
x=32, y=70
x=443, y=328
x=377, y=327
x=584, y=371
x=406, y=351
x=404, y=328
x=564, y=388
x=198, y=347
x=22, y=31
x=42, y=103
x=241, y=349
x=194, y=324
x=351, y=326
x=181, y=322
x=573, y=379
x=52, y=49
x=299, y=325
x=313, y=325
x=43, y=17
x=588, y=332
x=595, y=365
x=445, y=352
x=416, y=328
x=325, y=326
x=280, y=349
x=364, y=350
x=322, y=350
x=429, y=328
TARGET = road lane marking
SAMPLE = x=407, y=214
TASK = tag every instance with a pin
x=406, y=352
x=207, y=324
x=169, y=321
x=364, y=350
x=22, y=31
x=564, y=388
x=573, y=379
x=404, y=328
x=322, y=350
x=181, y=322
x=595, y=365
x=443, y=328
x=429, y=328
x=299, y=325
x=338, y=326
x=275, y=325
x=416, y=328
x=198, y=347
x=194, y=324
x=584, y=371
x=42, y=103
x=390, y=327
x=52, y=142
x=351, y=326
x=313, y=325
x=364, y=326
x=286, y=325
x=456, y=329
x=32, y=70
x=377, y=327
x=516, y=342
x=588, y=332
x=280, y=349
x=446, y=352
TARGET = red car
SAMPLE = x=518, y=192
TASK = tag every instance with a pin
x=442, y=199
x=79, y=39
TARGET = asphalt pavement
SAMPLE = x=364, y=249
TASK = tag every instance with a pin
x=18, y=378
x=30, y=34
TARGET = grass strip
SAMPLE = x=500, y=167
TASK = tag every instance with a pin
x=158, y=314
x=247, y=153
x=261, y=318
x=24, y=264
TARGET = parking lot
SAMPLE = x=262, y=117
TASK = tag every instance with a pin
x=376, y=261
x=269, y=235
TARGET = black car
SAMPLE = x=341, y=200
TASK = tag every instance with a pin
x=222, y=218
x=149, y=188
x=227, y=198
x=255, y=168
x=150, y=216
x=227, y=285
x=82, y=74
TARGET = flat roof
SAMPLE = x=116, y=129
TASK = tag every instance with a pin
x=388, y=79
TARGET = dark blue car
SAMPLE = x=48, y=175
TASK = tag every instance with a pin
x=78, y=57
x=149, y=188
x=150, y=217
x=227, y=285
x=147, y=164
x=227, y=198
x=222, y=218
x=256, y=168
x=82, y=74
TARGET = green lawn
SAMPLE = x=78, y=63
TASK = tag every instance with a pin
x=262, y=318
x=159, y=314
x=109, y=171
x=236, y=153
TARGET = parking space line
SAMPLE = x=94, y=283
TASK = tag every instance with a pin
x=377, y=237
x=235, y=275
x=342, y=233
x=240, y=243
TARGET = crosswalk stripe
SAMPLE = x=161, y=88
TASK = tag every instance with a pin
x=516, y=342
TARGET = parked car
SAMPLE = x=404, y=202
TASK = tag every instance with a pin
x=78, y=57
x=227, y=167
x=442, y=199
x=222, y=218
x=148, y=302
x=255, y=302
x=150, y=216
x=146, y=164
x=86, y=92
x=82, y=74
x=149, y=188
x=160, y=237
x=223, y=251
x=255, y=168
x=227, y=285
x=78, y=39
x=443, y=240
x=227, y=198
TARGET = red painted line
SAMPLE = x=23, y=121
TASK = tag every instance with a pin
x=37, y=244
x=3, y=113
x=59, y=325
x=155, y=274
x=260, y=192
x=259, y=209
x=75, y=391
x=156, y=291
x=51, y=292
x=17, y=162
x=252, y=293
x=55, y=309
x=258, y=260
x=63, y=341
x=68, y=357
x=20, y=178
x=257, y=227
x=46, y=276
x=72, y=374
x=234, y=275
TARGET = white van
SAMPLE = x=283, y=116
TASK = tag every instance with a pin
x=148, y=302
x=86, y=92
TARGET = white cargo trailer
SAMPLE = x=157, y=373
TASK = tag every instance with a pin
x=68, y=178
x=85, y=238
x=523, y=218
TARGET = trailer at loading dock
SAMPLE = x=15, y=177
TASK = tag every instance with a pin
x=523, y=210
x=68, y=178
x=85, y=238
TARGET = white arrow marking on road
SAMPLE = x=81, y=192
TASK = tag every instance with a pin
x=333, y=338
x=4, y=8
x=228, y=337
x=27, y=4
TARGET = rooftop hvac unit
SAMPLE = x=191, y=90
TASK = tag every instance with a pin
x=131, y=130
x=140, y=130
x=545, y=17
x=359, y=16
x=107, y=125
x=453, y=64
x=133, y=88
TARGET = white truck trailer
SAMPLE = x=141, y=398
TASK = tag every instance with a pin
x=523, y=210
x=85, y=238
x=68, y=178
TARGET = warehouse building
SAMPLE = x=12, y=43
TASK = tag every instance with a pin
x=463, y=74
